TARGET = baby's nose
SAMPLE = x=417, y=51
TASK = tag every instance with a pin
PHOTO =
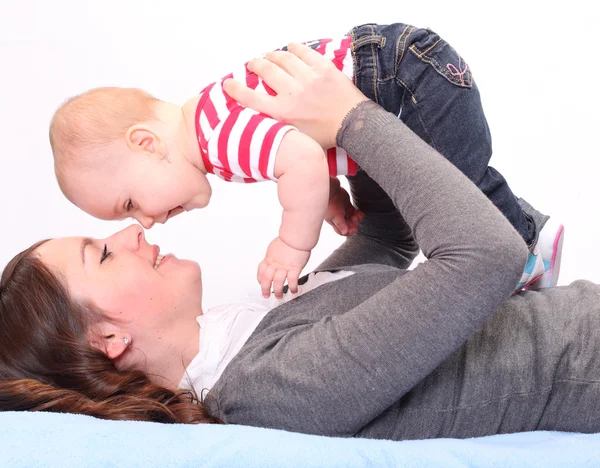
x=145, y=221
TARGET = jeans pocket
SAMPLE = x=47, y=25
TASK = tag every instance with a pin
x=444, y=59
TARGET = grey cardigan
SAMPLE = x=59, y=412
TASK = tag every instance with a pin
x=337, y=360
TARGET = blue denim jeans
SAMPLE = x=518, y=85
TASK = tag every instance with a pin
x=418, y=76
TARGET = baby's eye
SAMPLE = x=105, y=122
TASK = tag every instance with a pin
x=129, y=205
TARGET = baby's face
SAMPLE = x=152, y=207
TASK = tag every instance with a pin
x=140, y=187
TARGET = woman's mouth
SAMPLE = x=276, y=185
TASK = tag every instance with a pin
x=158, y=261
x=161, y=259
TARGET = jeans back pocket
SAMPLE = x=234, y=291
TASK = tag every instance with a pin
x=444, y=59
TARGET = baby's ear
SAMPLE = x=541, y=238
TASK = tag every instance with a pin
x=140, y=137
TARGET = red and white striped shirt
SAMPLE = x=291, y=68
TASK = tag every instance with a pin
x=239, y=144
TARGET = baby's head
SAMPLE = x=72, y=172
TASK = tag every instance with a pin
x=120, y=152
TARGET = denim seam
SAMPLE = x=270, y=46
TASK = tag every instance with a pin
x=374, y=67
x=401, y=46
x=427, y=50
x=412, y=96
x=359, y=43
x=354, y=57
x=433, y=144
x=369, y=40
x=375, y=41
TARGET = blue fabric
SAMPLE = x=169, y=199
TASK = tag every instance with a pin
x=65, y=440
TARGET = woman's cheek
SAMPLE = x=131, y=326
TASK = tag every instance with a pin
x=126, y=298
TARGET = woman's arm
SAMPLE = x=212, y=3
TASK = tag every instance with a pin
x=363, y=360
x=382, y=237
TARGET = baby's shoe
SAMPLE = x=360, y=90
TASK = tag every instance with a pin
x=550, y=244
x=534, y=270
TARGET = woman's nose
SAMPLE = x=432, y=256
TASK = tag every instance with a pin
x=130, y=238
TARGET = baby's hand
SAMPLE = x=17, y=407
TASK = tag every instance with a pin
x=341, y=213
x=281, y=262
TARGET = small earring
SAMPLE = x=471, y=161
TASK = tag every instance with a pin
x=166, y=158
x=126, y=341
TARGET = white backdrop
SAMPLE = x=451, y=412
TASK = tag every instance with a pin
x=535, y=62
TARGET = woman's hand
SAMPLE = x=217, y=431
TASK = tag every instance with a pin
x=312, y=94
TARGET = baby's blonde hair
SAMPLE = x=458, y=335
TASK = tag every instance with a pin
x=86, y=124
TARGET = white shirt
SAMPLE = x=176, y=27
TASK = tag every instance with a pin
x=224, y=330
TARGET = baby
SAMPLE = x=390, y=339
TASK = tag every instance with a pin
x=122, y=153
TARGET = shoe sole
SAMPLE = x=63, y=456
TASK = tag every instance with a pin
x=554, y=271
x=550, y=278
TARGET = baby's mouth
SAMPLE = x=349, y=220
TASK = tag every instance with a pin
x=175, y=211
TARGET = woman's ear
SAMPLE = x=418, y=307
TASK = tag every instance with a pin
x=141, y=138
x=110, y=340
x=116, y=346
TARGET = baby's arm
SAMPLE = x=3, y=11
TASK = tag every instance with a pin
x=303, y=189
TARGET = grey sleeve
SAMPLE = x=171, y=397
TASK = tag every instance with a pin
x=336, y=375
x=382, y=237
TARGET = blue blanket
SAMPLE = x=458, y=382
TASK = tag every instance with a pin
x=64, y=440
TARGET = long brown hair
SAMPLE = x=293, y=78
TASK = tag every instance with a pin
x=46, y=363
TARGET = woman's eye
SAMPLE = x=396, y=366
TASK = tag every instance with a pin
x=105, y=254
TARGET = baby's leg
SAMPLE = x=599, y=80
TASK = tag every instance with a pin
x=421, y=78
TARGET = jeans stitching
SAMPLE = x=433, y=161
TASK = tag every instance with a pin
x=460, y=72
x=367, y=40
x=375, y=41
x=412, y=96
x=430, y=47
x=374, y=66
x=355, y=57
x=463, y=83
x=425, y=129
x=401, y=46
x=414, y=99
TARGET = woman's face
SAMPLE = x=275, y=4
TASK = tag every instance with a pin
x=119, y=277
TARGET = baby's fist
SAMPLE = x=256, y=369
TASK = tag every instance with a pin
x=341, y=213
x=281, y=262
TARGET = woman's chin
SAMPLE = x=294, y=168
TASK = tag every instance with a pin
x=192, y=268
x=177, y=267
